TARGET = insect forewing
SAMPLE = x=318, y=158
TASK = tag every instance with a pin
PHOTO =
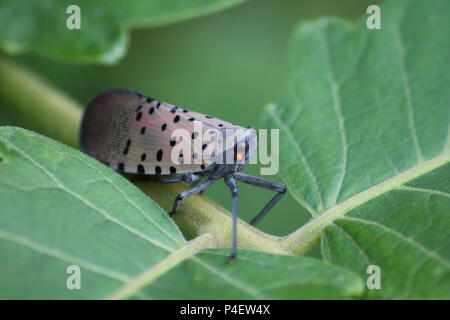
x=133, y=133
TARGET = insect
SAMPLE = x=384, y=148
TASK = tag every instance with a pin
x=133, y=133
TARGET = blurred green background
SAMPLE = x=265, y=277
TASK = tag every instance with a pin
x=229, y=65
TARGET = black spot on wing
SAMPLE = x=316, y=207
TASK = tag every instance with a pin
x=125, y=151
x=159, y=155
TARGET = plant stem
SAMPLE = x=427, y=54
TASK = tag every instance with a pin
x=38, y=105
x=199, y=215
x=51, y=112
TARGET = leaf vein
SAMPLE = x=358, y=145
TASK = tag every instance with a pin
x=62, y=256
x=338, y=109
x=355, y=244
x=86, y=202
x=429, y=191
x=407, y=90
x=126, y=197
x=305, y=162
x=236, y=283
x=431, y=254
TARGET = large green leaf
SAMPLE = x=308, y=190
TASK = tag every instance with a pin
x=60, y=208
x=364, y=143
x=39, y=26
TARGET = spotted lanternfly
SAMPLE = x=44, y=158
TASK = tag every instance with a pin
x=133, y=133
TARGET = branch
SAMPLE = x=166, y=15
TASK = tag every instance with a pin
x=38, y=105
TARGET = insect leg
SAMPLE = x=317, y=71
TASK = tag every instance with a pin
x=190, y=192
x=263, y=183
x=187, y=177
x=234, y=193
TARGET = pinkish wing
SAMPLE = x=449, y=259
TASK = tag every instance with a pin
x=133, y=133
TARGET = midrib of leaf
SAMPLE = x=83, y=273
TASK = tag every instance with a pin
x=305, y=237
x=61, y=186
x=133, y=285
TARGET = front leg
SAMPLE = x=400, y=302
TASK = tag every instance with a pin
x=186, y=177
x=202, y=186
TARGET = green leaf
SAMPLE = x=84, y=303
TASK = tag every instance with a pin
x=62, y=208
x=255, y=275
x=364, y=144
x=39, y=26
